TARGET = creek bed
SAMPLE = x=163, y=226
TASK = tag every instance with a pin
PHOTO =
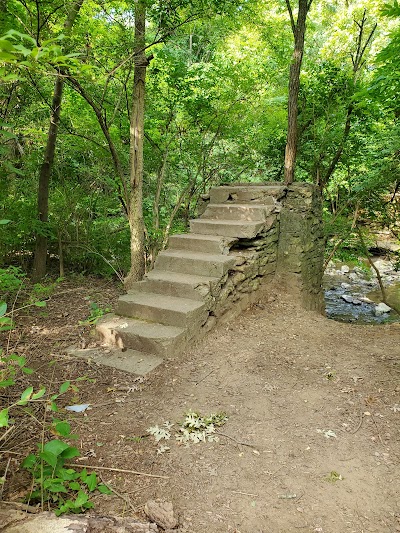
x=362, y=294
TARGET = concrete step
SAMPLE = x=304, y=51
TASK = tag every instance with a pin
x=254, y=212
x=149, y=337
x=176, y=284
x=228, y=228
x=196, y=263
x=193, y=242
x=265, y=194
x=167, y=310
x=138, y=363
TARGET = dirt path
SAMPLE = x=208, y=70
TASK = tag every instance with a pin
x=309, y=401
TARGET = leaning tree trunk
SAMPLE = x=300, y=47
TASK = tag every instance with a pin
x=299, y=30
x=40, y=257
x=135, y=214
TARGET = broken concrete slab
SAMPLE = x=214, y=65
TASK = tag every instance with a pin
x=138, y=363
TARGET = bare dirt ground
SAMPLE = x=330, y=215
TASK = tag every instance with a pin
x=312, y=438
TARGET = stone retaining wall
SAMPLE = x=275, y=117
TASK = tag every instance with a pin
x=288, y=254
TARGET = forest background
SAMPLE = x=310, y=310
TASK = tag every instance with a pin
x=210, y=81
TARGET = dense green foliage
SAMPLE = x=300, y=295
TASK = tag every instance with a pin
x=216, y=99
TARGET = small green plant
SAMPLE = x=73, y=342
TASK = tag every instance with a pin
x=5, y=322
x=40, y=291
x=95, y=313
x=11, y=279
x=54, y=482
x=333, y=476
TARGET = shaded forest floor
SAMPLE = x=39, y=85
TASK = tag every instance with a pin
x=312, y=437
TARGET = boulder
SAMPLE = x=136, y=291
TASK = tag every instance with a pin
x=162, y=513
x=382, y=309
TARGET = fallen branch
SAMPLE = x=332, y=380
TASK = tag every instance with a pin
x=123, y=498
x=359, y=425
x=109, y=469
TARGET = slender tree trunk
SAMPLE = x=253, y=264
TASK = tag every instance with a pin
x=40, y=257
x=299, y=30
x=136, y=149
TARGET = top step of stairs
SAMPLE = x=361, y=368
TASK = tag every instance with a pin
x=242, y=194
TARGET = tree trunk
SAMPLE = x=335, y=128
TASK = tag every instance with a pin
x=40, y=257
x=299, y=30
x=136, y=224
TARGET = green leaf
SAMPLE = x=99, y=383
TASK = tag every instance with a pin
x=88, y=505
x=7, y=382
x=49, y=458
x=39, y=394
x=4, y=418
x=91, y=481
x=104, y=489
x=70, y=452
x=57, y=487
x=25, y=396
x=3, y=305
x=56, y=447
x=2, y=222
x=63, y=429
x=68, y=474
x=27, y=370
x=19, y=359
x=6, y=45
x=40, y=304
x=81, y=499
x=74, y=485
x=53, y=407
x=30, y=461
x=64, y=387
x=7, y=57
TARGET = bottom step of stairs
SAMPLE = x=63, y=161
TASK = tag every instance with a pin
x=138, y=363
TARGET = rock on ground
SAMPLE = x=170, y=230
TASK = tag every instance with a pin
x=15, y=521
x=162, y=513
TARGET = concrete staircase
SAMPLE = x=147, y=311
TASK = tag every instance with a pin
x=159, y=316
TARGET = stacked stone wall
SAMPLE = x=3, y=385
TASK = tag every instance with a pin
x=288, y=254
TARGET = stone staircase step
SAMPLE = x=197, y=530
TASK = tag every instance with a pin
x=228, y=228
x=148, y=337
x=201, y=264
x=176, y=284
x=193, y=242
x=132, y=361
x=264, y=194
x=167, y=310
x=254, y=212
